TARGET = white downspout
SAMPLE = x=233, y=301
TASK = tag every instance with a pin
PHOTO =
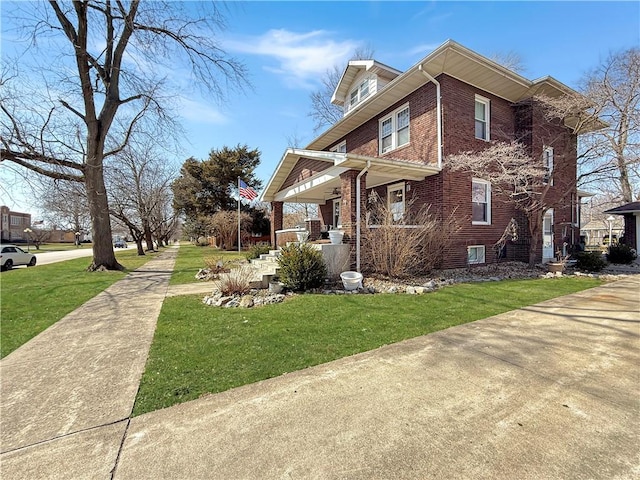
x=358, y=221
x=438, y=113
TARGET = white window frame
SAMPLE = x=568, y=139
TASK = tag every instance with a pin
x=393, y=116
x=354, y=100
x=547, y=162
x=15, y=220
x=487, y=198
x=336, y=220
x=340, y=147
x=487, y=111
x=393, y=188
x=478, y=259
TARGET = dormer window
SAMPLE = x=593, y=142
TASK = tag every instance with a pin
x=359, y=93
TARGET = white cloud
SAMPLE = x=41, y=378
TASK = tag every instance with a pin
x=200, y=112
x=301, y=57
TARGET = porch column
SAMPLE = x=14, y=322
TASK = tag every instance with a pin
x=348, y=207
x=276, y=221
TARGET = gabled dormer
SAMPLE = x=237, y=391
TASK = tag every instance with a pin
x=361, y=80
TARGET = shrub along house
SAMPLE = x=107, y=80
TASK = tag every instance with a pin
x=397, y=129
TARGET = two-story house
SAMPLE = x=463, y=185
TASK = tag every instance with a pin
x=397, y=129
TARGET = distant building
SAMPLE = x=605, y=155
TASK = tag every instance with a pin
x=13, y=224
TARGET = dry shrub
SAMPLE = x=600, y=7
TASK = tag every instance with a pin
x=224, y=225
x=216, y=265
x=412, y=244
x=236, y=282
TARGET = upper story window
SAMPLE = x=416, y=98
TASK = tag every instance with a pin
x=482, y=116
x=359, y=93
x=394, y=129
x=396, y=200
x=481, y=202
x=547, y=161
x=339, y=148
x=16, y=220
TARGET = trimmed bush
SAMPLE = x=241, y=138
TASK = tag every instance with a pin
x=256, y=250
x=301, y=267
x=590, y=261
x=621, y=253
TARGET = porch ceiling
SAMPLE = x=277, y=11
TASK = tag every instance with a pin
x=326, y=184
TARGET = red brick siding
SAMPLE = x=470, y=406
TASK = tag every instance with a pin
x=630, y=239
x=422, y=147
x=303, y=169
x=276, y=221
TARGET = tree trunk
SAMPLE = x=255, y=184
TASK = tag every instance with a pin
x=147, y=235
x=139, y=246
x=535, y=228
x=103, y=254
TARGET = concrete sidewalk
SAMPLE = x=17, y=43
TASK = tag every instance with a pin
x=549, y=391
x=67, y=395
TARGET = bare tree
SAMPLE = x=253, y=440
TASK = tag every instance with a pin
x=609, y=153
x=140, y=192
x=510, y=59
x=114, y=62
x=65, y=205
x=323, y=112
x=516, y=179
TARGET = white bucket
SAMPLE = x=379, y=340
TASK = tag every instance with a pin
x=351, y=280
x=336, y=236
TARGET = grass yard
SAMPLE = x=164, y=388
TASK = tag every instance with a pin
x=32, y=299
x=192, y=258
x=199, y=349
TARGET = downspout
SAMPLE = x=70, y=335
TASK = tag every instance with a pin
x=438, y=113
x=358, y=221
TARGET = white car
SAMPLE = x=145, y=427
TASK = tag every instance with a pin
x=11, y=255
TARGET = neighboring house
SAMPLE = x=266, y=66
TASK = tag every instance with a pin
x=396, y=130
x=631, y=214
x=13, y=225
x=596, y=231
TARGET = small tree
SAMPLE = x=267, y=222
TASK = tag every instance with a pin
x=516, y=179
x=224, y=226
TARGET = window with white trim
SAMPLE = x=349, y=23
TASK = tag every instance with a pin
x=482, y=116
x=16, y=220
x=480, y=202
x=359, y=93
x=394, y=129
x=547, y=162
x=396, y=200
x=339, y=148
x=475, y=254
x=337, y=220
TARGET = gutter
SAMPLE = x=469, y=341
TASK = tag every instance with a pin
x=358, y=208
x=438, y=112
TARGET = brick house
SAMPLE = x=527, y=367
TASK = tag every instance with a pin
x=631, y=215
x=13, y=224
x=396, y=130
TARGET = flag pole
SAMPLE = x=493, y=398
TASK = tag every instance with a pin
x=239, y=215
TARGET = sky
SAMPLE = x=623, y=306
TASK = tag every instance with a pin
x=287, y=46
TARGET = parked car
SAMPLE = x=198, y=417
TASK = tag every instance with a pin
x=120, y=244
x=11, y=255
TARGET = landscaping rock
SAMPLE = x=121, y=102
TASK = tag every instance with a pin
x=246, y=301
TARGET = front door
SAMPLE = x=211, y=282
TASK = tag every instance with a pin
x=547, y=236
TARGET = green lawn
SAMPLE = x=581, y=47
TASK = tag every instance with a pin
x=199, y=349
x=32, y=299
x=192, y=258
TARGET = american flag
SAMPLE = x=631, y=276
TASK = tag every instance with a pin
x=246, y=191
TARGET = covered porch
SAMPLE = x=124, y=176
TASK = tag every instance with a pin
x=336, y=182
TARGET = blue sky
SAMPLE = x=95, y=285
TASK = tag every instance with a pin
x=287, y=46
